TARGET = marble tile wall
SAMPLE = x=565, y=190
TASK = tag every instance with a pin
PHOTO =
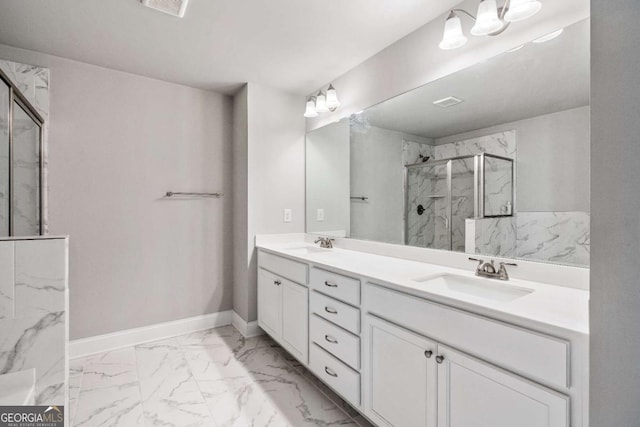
x=33, y=83
x=561, y=237
x=33, y=311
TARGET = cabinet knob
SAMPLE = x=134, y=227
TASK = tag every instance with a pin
x=331, y=310
x=329, y=284
x=428, y=354
x=331, y=339
x=439, y=359
x=277, y=282
x=330, y=372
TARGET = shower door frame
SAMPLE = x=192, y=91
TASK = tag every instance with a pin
x=17, y=98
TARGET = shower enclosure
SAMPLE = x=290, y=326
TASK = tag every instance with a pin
x=440, y=195
x=21, y=136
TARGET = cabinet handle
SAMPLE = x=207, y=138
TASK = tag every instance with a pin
x=331, y=339
x=277, y=282
x=330, y=372
x=329, y=284
x=331, y=310
x=439, y=359
x=428, y=354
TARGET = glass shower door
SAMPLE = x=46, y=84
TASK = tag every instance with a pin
x=462, y=199
x=428, y=206
x=4, y=159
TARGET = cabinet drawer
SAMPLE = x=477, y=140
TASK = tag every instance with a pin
x=336, y=374
x=335, y=311
x=336, y=341
x=336, y=285
x=531, y=354
x=292, y=270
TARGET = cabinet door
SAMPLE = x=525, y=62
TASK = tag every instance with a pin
x=400, y=376
x=474, y=393
x=270, y=303
x=295, y=320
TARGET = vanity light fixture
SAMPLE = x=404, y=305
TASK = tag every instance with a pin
x=322, y=102
x=490, y=20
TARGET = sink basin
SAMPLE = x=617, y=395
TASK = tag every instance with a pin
x=481, y=288
x=307, y=250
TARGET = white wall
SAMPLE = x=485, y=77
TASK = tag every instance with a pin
x=274, y=158
x=615, y=203
x=327, y=172
x=117, y=142
x=416, y=59
x=553, y=160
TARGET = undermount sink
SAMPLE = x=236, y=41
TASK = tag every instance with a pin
x=481, y=288
x=306, y=250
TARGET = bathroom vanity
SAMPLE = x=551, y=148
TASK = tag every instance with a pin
x=410, y=343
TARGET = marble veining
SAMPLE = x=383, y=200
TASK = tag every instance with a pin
x=210, y=378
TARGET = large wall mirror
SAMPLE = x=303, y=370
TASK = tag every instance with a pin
x=491, y=160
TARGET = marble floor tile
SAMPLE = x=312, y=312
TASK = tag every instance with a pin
x=113, y=368
x=211, y=378
x=110, y=406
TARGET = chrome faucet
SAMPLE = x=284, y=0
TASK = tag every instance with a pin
x=325, y=242
x=488, y=269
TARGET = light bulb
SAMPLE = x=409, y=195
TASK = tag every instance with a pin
x=453, y=36
x=332, y=98
x=311, y=108
x=487, y=21
x=522, y=9
x=321, y=103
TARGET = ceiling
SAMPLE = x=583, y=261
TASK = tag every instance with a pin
x=536, y=80
x=293, y=45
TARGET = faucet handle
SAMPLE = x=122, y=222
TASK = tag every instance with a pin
x=480, y=261
x=513, y=264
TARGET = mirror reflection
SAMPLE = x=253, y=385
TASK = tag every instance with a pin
x=491, y=160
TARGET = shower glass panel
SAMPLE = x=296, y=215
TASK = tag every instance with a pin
x=25, y=202
x=462, y=199
x=4, y=159
x=498, y=186
x=428, y=206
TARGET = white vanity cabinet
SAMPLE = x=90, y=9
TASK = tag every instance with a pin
x=283, y=305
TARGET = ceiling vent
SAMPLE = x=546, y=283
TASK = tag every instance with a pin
x=447, y=102
x=172, y=7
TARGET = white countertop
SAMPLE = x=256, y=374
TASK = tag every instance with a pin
x=549, y=307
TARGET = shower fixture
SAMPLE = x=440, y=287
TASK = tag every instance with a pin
x=490, y=20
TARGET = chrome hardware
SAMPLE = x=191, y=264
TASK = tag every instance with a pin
x=325, y=242
x=428, y=354
x=488, y=269
x=187, y=194
x=331, y=339
x=277, y=282
x=439, y=359
x=329, y=284
x=330, y=372
x=331, y=310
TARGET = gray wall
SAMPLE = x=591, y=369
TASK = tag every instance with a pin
x=615, y=203
x=327, y=172
x=553, y=160
x=117, y=142
x=274, y=160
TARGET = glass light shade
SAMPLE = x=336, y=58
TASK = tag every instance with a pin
x=522, y=9
x=453, y=36
x=332, y=98
x=487, y=21
x=311, y=109
x=321, y=103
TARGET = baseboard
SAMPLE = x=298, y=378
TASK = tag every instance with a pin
x=113, y=341
x=247, y=329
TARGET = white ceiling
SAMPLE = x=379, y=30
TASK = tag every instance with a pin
x=294, y=45
x=538, y=79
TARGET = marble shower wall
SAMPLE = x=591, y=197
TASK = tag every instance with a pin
x=33, y=313
x=33, y=83
x=562, y=237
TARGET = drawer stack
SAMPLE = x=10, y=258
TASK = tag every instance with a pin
x=334, y=332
